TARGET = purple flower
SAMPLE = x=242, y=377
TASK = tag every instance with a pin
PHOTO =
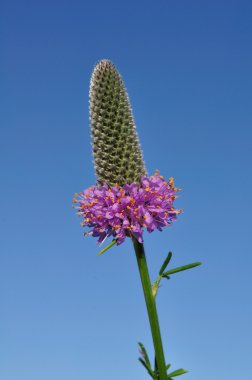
x=125, y=211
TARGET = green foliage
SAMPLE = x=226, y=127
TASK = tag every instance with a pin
x=163, y=274
x=117, y=154
x=144, y=359
x=107, y=247
x=166, y=262
x=178, y=372
x=180, y=269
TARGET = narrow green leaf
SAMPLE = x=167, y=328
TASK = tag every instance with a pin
x=150, y=372
x=146, y=357
x=106, y=248
x=167, y=277
x=178, y=372
x=180, y=269
x=166, y=262
x=168, y=366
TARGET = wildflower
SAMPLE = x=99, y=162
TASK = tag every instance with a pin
x=125, y=211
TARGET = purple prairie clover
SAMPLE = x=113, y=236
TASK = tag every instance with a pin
x=125, y=211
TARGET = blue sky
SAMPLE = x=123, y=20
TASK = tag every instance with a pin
x=66, y=313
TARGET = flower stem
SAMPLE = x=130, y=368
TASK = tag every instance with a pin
x=151, y=308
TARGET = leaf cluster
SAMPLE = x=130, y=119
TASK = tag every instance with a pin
x=144, y=359
x=166, y=274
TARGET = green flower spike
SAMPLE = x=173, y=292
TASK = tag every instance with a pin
x=117, y=153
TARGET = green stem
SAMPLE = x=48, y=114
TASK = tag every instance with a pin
x=151, y=308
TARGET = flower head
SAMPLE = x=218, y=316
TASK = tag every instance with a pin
x=122, y=211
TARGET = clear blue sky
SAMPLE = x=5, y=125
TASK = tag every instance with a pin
x=66, y=313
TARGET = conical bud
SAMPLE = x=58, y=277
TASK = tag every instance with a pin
x=117, y=153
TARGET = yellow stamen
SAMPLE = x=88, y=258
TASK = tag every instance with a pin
x=171, y=181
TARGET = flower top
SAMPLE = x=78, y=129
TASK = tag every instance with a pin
x=116, y=149
x=124, y=211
